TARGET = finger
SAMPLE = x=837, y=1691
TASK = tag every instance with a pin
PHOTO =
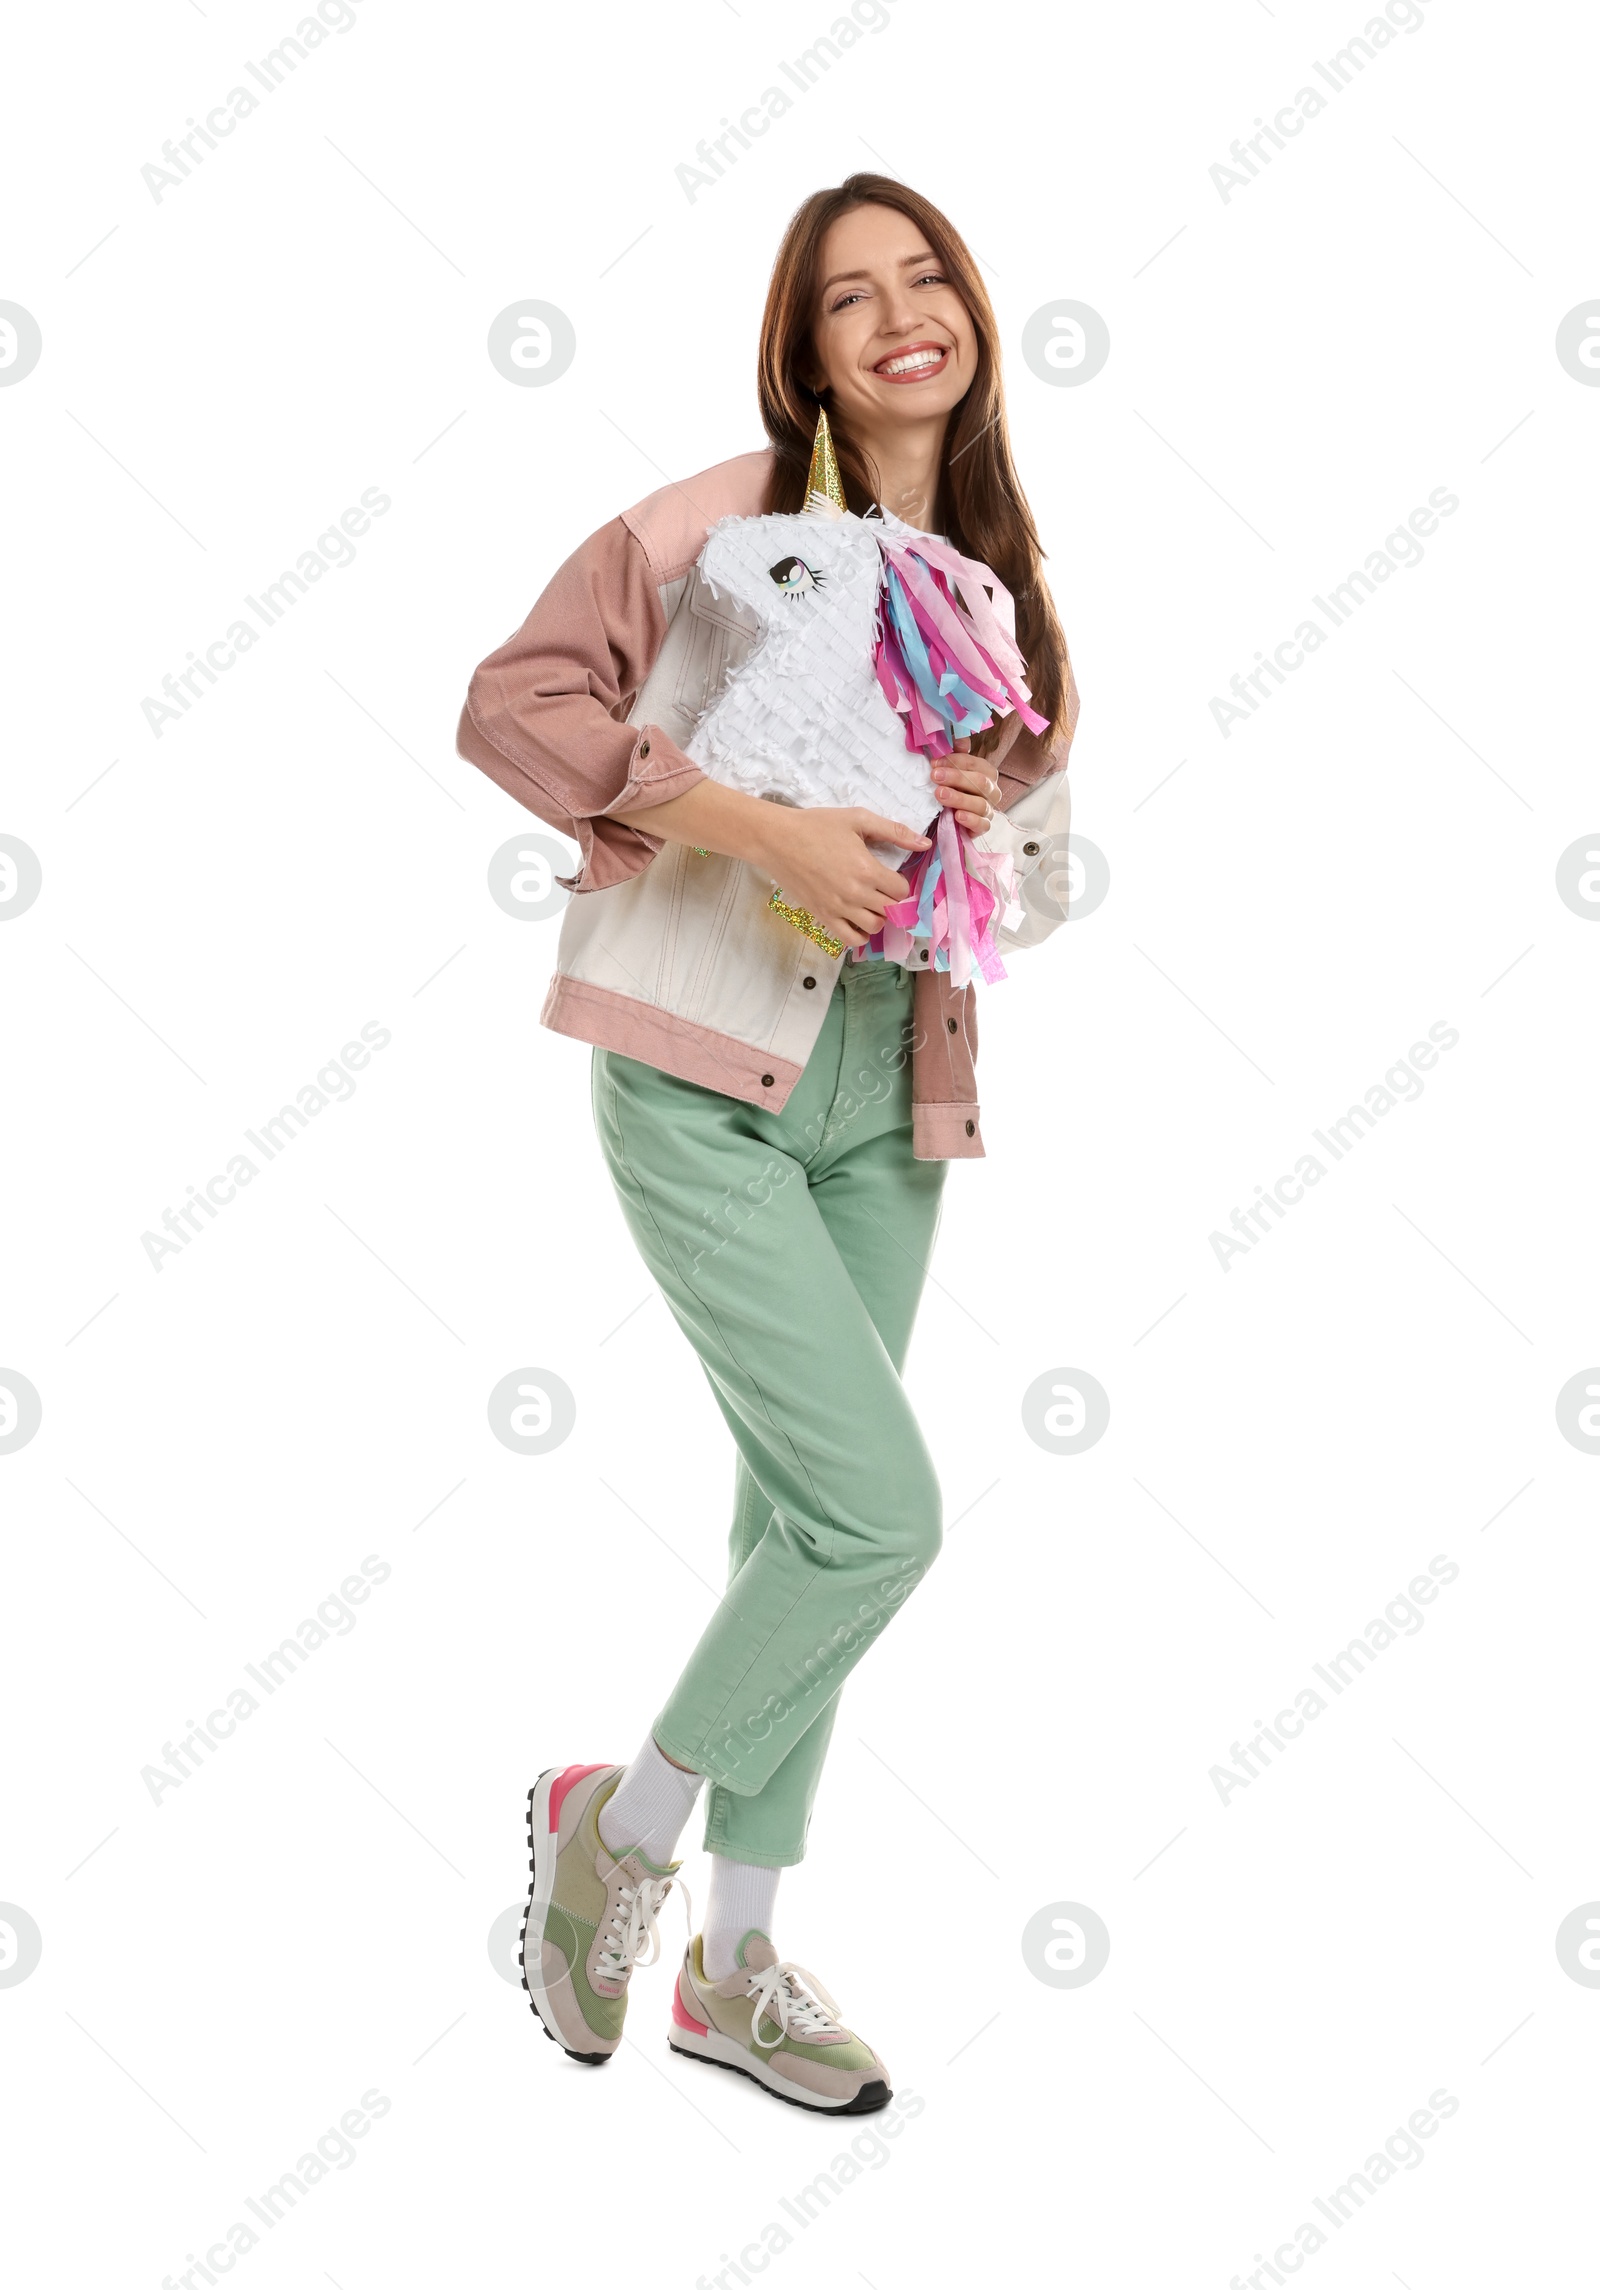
x=864, y=914
x=887, y=886
x=977, y=782
x=872, y=829
x=969, y=788
x=966, y=807
x=963, y=746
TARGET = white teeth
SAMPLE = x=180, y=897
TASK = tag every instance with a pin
x=910, y=363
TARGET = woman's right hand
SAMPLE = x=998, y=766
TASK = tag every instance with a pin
x=820, y=861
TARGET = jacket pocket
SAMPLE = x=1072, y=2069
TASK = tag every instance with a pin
x=720, y=634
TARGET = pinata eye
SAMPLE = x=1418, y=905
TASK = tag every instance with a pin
x=793, y=575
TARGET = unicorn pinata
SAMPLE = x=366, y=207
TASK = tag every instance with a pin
x=879, y=647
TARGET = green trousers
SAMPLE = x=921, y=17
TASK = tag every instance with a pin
x=791, y=1249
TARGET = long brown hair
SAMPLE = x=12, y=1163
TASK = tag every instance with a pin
x=980, y=502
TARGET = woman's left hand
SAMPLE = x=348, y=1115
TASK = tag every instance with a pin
x=970, y=791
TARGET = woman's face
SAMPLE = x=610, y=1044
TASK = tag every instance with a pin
x=892, y=337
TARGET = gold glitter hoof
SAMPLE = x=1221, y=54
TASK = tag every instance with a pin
x=806, y=924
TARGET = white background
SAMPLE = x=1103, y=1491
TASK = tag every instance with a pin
x=1291, y=1439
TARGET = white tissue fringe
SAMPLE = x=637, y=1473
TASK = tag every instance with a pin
x=803, y=717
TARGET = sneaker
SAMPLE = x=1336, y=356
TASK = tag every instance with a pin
x=776, y=2024
x=591, y=1917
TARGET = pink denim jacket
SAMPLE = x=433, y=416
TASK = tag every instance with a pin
x=665, y=955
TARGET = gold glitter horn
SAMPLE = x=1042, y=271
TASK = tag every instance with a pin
x=824, y=498
x=824, y=485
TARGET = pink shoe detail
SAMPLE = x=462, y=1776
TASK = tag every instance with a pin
x=565, y=1780
x=682, y=2018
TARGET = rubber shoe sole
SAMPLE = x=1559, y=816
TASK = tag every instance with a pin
x=721, y=2051
x=541, y=1884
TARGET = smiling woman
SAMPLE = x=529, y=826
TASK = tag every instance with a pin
x=878, y=313
x=797, y=669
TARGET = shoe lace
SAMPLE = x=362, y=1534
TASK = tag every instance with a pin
x=631, y=1930
x=795, y=2001
x=629, y=1935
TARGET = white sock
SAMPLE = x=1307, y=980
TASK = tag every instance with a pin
x=649, y=1806
x=742, y=1900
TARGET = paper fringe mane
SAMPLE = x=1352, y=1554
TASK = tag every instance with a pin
x=947, y=661
x=946, y=921
x=946, y=656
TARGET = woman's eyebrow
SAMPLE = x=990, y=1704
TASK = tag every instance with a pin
x=840, y=277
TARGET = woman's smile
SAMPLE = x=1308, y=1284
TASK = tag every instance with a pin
x=917, y=362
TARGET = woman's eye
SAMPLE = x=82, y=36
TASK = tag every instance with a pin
x=793, y=575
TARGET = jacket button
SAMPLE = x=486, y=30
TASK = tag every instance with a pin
x=644, y=750
x=972, y=1129
x=923, y=956
x=766, y=1081
x=808, y=981
x=950, y=1022
x=1030, y=850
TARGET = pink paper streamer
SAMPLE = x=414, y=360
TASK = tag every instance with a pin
x=970, y=636
x=956, y=894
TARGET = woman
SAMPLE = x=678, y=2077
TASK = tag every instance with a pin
x=778, y=1155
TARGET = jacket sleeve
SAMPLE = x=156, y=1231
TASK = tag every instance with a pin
x=545, y=714
x=1031, y=825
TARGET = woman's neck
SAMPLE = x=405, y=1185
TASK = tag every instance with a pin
x=906, y=458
